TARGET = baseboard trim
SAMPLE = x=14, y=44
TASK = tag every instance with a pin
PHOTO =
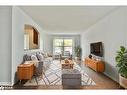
x=6, y=83
x=111, y=77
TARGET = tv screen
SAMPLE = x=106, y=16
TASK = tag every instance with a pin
x=96, y=49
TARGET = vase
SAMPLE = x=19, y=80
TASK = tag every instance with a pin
x=123, y=81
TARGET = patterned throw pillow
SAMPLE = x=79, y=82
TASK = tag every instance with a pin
x=44, y=55
x=40, y=57
x=34, y=58
x=26, y=57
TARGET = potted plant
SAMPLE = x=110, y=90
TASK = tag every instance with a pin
x=77, y=52
x=121, y=59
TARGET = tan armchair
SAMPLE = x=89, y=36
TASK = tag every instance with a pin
x=65, y=54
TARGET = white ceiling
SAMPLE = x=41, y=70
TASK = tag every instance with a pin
x=66, y=19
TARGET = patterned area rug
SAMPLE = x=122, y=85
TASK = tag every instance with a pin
x=52, y=76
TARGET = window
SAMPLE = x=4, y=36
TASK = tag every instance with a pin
x=68, y=45
x=61, y=45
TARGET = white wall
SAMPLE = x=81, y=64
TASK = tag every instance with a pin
x=111, y=32
x=47, y=43
x=19, y=19
x=5, y=44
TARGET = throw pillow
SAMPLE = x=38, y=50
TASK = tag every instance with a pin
x=45, y=55
x=26, y=57
x=49, y=55
x=40, y=57
x=34, y=58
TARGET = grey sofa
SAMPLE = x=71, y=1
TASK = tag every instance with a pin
x=34, y=56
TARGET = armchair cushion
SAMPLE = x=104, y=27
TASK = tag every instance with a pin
x=66, y=53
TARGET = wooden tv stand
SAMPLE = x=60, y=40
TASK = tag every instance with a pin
x=96, y=65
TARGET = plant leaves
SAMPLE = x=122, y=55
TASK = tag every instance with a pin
x=121, y=59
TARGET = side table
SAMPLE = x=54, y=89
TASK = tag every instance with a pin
x=25, y=71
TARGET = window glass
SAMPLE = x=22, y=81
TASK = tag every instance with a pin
x=58, y=50
x=62, y=45
x=67, y=42
x=58, y=42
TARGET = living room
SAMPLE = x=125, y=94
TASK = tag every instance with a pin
x=78, y=25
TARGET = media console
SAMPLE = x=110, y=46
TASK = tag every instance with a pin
x=98, y=66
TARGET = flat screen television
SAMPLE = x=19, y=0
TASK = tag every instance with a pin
x=96, y=49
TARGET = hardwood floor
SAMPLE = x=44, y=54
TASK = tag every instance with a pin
x=101, y=80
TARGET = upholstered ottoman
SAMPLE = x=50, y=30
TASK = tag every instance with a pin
x=71, y=77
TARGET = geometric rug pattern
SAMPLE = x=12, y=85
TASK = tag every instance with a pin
x=52, y=76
